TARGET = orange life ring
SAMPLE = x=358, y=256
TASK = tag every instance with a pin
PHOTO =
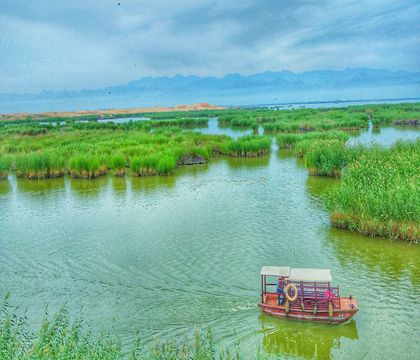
x=288, y=287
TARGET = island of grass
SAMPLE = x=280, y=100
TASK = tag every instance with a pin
x=379, y=188
x=379, y=191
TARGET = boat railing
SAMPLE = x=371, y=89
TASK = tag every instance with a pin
x=311, y=293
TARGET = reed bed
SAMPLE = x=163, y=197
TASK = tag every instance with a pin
x=70, y=149
x=117, y=163
x=154, y=164
x=85, y=166
x=379, y=194
x=57, y=338
x=60, y=337
x=39, y=165
x=180, y=122
x=290, y=140
x=398, y=114
x=295, y=121
x=247, y=146
x=4, y=167
x=327, y=157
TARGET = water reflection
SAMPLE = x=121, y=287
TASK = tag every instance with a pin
x=392, y=259
x=88, y=188
x=385, y=136
x=119, y=185
x=214, y=128
x=319, y=185
x=40, y=187
x=148, y=184
x=248, y=163
x=304, y=340
x=4, y=187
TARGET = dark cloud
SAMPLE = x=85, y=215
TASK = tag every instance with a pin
x=87, y=44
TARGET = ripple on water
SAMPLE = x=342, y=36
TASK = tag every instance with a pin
x=166, y=255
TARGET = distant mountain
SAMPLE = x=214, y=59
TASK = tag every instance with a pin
x=238, y=89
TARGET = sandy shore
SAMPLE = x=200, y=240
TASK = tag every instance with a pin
x=111, y=112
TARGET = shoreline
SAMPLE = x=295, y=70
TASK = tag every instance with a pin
x=111, y=112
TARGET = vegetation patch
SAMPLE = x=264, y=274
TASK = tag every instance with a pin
x=379, y=194
x=248, y=146
x=85, y=167
x=4, y=167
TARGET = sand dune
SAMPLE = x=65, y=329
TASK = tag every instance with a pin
x=111, y=112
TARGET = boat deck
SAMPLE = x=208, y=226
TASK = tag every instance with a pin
x=340, y=304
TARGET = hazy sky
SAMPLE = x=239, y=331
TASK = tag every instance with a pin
x=74, y=44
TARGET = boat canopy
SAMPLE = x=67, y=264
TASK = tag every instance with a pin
x=298, y=274
x=316, y=275
x=276, y=271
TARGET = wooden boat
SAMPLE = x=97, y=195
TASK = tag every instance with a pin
x=307, y=295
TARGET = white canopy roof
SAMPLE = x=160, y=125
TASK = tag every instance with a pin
x=300, y=274
x=275, y=271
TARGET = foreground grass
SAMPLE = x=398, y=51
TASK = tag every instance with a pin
x=59, y=337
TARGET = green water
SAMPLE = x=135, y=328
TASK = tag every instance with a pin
x=167, y=255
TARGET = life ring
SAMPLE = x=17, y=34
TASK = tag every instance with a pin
x=288, y=287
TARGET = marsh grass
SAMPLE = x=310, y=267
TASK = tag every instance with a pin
x=248, y=146
x=117, y=163
x=57, y=338
x=40, y=165
x=61, y=337
x=153, y=164
x=290, y=140
x=85, y=166
x=4, y=167
x=325, y=157
x=379, y=193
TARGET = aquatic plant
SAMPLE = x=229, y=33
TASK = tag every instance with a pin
x=379, y=193
x=4, y=167
x=40, y=165
x=248, y=146
x=57, y=338
x=244, y=122
x=117, y=164
x=84, y=166
x=289, y=140
x=60, y=337
x=153, y=164
x=325, y=157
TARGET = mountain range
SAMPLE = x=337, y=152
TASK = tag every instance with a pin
x=237, y=89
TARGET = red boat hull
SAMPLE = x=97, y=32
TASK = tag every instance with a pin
x=339, y=316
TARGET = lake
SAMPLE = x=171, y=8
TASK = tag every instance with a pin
x=167, y=255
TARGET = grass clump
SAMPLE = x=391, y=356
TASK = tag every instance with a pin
x=4, y=167
x=379, y=194
x=40, y=165
x=290, y=140
x=248, y=146
x=60, y=337
x=85, y=167
x=326, y=157
x=117, y=164
x=57, y=338
x=153, y=164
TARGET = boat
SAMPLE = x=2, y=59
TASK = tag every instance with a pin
x=304, y=294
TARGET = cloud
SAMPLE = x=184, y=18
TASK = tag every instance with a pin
x=88, y=44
